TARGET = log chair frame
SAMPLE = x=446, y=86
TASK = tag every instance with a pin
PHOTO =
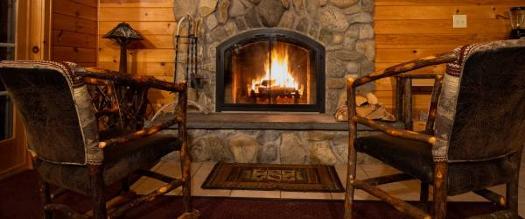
x=120, y=204
x=403, y=111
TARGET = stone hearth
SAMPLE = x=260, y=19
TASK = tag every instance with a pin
x=343, y=27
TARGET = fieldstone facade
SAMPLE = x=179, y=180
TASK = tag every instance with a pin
x=345, y=29
x=272, y=146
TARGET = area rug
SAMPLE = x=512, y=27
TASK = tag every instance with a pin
x=285, y=177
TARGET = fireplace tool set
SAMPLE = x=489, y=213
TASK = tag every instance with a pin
x=190, y=40
x=186, y=60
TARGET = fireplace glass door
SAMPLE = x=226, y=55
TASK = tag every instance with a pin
x=269, y=73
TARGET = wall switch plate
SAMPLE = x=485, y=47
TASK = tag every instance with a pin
x=459, y=21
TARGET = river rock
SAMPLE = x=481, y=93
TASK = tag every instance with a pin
x=332, y=19
x=321, y=153
x=270, y=12
x=210, y=147
x=319, y=135
x=287, y=19
x=363, y=17
x=206, y=7
x=222, y=11
x=292, y=149
x=183, y=7
x=211, y=22
x=238, y=8
x=268, y=153
x=343, y=3
x=244, y=148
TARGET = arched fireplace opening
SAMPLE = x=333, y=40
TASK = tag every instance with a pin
x=270, y=70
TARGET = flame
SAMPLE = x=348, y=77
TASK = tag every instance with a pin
x=277, y=73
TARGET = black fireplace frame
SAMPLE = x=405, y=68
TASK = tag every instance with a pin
x=317, y=55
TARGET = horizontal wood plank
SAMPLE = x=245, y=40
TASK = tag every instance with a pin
x=404, y=12
x=135, y=3
x=136, y=14
x=407, y=54
x=73, y=24
x=440, y=26
x=139, y=55
x=72, y=39
x=410, y=40
x=149, y=42
x=142, y=68
x=165, y=28
x=77, y=55
x=71, y=8
x=447, y=2
x=91, y=3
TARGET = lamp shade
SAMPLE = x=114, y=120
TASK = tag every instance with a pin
x=123, y=32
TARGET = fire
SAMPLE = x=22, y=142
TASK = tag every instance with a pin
x=277, y=75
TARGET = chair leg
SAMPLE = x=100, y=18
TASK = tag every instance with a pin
x=440, y=190
x=423, y=194
x=351, y=175
x=97, y=191
x=512, y=190
x=46, y=199
x=186, y=178
x=352, y=153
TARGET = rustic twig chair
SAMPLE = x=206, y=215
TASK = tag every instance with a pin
x=61, y=120
x=475, y=142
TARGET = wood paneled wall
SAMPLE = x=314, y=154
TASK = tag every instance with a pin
x=74, y=31
x=408, y=29
x=152, y=56
x=405, y=29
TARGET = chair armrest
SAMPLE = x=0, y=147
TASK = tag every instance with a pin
x=144, y=81
x=139, y=134
x=396, y=132
x=403, y=67
x=419, y=75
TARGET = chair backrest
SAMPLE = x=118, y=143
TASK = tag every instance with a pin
x=481, y=110
x=56, y=109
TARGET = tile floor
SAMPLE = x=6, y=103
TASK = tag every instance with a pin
x=407, y=190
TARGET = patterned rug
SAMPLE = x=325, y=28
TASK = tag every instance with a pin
x=285, y=177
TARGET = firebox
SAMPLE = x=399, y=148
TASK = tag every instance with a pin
x=270, y=70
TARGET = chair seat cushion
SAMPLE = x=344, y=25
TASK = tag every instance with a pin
x=119, y=162
x=409, y=156
x=415, y=158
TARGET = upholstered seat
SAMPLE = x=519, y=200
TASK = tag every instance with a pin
x=415, y=158
x=121, y=160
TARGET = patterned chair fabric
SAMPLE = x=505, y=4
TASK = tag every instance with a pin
x=56, y=108
x=480, y=110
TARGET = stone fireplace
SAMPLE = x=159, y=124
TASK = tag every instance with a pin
x=341, y=28
x=270, y=70
x=245, y=45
